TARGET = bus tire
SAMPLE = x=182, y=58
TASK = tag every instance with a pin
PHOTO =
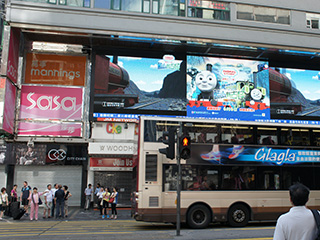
x=199, y=216
x=238, y=215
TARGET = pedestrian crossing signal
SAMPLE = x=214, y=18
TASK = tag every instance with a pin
x=185, y=147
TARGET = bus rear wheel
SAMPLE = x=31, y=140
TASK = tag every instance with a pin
x=199, y=216
x=238, y=215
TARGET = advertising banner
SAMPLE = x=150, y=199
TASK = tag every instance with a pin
x=265, y=155
x=9, y=107
x=10, y=53
x=115, y=131
x=56, y=154
x=51, y=103
x=232, y=89
x=55, y=69
x=63, y=129
x=111, y=164
x=113, y=148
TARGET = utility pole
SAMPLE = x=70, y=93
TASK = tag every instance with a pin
x=178, y=224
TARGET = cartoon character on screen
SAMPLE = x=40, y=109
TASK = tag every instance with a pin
x=252, y=94
x=206, y=82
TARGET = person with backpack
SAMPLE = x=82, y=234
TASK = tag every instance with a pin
x=67, y=195
x=35, y=201
x=299, y=223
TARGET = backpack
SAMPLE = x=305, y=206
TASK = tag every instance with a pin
x=317, y=218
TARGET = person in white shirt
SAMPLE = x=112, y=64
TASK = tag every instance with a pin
x=100, y=197
x=53, y=203
x=48, y=197
x=299, y=222
x=88, y=193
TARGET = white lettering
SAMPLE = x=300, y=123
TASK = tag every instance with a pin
x=52, y=103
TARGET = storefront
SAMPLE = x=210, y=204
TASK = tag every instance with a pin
x=43, y=164
x=113, y=152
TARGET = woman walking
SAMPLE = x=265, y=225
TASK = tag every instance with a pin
x=3, y=201
x=114, y=196
x=34, y=201
x=105, y=203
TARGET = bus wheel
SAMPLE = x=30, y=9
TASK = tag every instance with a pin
x=238, y=215
x=199, y=216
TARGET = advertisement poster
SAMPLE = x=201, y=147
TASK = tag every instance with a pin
x=135, y=85
x=224, y=88
x=265, y=155
x=51, y=103
x=57, y=154
x=294, y=94
x=9, y=107
x=56, y=129
x=55, y=69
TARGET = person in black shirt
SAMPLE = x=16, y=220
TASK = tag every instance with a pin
x=59, y=202
x=25, y=192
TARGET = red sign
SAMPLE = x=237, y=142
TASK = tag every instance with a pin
x=112, y=162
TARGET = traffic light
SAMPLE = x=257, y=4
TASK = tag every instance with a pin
x=168, y=138
x=185, y=146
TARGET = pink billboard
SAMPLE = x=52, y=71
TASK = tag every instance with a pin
x=9, y=107
x=62, y=129
x=51, y=103
x=13, y=55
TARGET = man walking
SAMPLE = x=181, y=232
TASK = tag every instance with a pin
x=25, y=193
x=55, y=188
x=59, y=201
x=298, y=223
x=48, y=197
x=88, y=193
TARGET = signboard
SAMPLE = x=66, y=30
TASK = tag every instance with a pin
x=9, y=107
x=10, y=53
x=227, y=88
x=55, y=69
x=111, y=164
x=62, y=129
x=120, y=148
x=115, y=131
x=265, y=155
x=57, y=154
x=51, y=103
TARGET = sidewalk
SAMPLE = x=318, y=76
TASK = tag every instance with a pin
x=78, y=214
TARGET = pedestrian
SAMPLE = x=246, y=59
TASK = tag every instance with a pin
x=299, y=222
x=55, y=188
x=25, y=193
x=114, y=201
x=67, y=195
x=14, y=194
x=3, y=201
x=88, y=193
x=59, y=202
x=100, y=198
x=48, y=199
x=35, y=201
x=95, y=197
x=105, y=203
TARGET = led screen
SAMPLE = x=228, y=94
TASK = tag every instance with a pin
x=224, y=88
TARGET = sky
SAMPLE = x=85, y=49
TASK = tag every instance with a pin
x=306, y=81
x=144, y=72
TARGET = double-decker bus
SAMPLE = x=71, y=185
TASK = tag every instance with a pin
x=238, y=171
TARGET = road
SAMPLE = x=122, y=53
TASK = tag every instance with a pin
x=125, y=229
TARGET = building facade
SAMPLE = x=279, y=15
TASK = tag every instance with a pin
x=76, y=75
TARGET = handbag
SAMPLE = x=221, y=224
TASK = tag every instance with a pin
x=111, y=200
x=40, y=201
x=317, y=218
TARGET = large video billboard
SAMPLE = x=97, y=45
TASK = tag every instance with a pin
x=227, y=88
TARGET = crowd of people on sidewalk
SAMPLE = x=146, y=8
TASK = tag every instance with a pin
x=105, y=198
x=55, y=200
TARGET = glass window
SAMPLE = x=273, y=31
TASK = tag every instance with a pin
x=316, y=137
x=292, y=175
x=131, y=5
x=208, y=9
x=169, y=7
x=102, y=4
x=238, y=178
x=313, y=20
x=151, y=167
x=269, y=178
x=263, y=14
x=235, y=134
x=295, y=137
x=267, y=136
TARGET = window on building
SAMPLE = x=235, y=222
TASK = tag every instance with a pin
x=263, y=14
x=313, y=20
x=209, y=9
x=168, y=7
x=102, y=4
